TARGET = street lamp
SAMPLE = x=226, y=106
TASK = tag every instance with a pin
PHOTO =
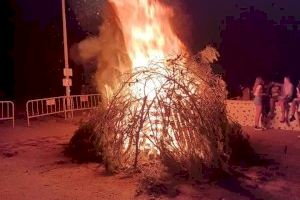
x=67, y=81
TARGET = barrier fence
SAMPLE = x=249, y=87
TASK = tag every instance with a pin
x=61, y=105
x=85, y=102
x=7, y=111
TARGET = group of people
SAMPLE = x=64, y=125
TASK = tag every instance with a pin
x=266, y=96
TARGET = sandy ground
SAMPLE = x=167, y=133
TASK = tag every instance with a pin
x=32, y=166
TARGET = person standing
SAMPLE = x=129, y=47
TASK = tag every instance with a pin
x=274, y=97
x=258, y=94
x=295, y=103
x=285, y=98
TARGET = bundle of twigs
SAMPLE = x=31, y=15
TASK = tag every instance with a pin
x=173, y=110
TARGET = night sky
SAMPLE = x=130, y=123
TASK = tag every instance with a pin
x=206, y=14
x=261, y=38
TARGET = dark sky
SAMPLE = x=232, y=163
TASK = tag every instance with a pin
x=42, y=11
x=206, y=16
x=36, y=9
x=213, y=10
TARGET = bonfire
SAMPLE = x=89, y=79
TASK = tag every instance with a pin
x=168, y=107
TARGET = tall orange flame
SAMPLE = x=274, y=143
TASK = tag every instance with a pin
x=147, y=30
x=148, y=37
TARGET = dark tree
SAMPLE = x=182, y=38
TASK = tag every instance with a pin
x=6, y=46
x=252, y=45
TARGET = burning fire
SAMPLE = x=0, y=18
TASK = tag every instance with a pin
x=147, y=30
x=148, y=37
x=167, y=105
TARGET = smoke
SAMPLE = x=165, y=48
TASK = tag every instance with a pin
x=108, y=49
x=182, y=23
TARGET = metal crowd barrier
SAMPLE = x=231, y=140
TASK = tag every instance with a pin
x=7, y=111
x=61, y=105
x=85, y=102
x=43, y=107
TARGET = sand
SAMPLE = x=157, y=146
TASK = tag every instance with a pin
x=33, y=166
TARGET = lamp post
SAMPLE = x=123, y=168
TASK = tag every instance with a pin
x=67, y=81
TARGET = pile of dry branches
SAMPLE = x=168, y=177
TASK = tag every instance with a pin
x=172, y=111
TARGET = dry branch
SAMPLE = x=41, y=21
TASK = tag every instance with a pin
x=171, y=109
